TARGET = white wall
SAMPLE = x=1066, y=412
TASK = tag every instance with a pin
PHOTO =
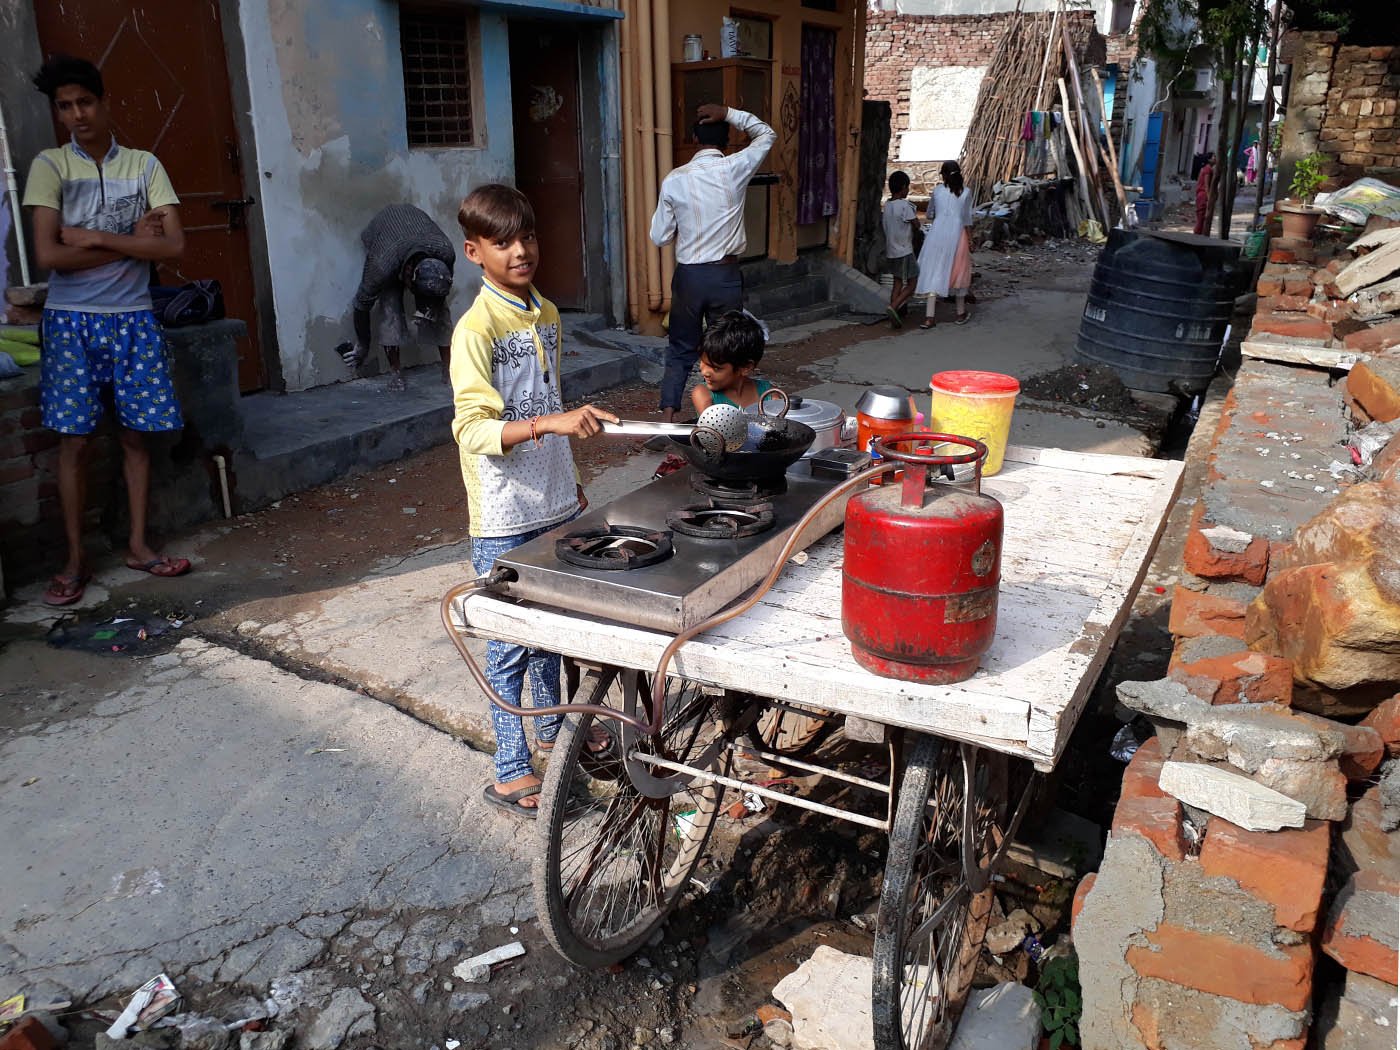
x=941, y=104
x=326, y=86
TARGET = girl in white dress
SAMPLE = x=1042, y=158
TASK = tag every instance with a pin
x=945, y=264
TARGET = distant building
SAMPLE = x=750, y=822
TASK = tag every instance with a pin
x=928, y=58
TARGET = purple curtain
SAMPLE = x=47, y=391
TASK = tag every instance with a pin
x=816, y=128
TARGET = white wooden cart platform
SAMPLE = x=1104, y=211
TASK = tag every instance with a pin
x=1080, y=531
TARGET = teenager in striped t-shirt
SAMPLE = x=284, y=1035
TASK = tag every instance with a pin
x=102, y=214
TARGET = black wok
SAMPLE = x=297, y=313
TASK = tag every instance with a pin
x=780, y=446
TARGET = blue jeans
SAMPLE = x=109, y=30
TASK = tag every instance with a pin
x=699, y=292
x=506, y=666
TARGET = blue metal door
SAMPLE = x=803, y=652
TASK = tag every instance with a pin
x=1151, y=150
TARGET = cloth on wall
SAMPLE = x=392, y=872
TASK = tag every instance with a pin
x=817, y=191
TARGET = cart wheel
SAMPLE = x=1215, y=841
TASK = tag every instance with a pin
x=613, y=862
x=788, y=733
x=937, y=894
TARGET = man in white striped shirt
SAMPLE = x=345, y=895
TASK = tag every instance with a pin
x=702, y=210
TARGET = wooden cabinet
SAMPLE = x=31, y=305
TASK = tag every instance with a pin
x=743, y=83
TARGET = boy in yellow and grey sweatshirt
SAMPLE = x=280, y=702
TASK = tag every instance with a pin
x=513, y=436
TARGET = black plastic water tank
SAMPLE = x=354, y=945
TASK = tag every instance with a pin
x=1158, y=308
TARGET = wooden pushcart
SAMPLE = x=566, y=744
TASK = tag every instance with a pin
x=623, y=830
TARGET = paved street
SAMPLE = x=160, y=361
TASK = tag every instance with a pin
x=203, y=812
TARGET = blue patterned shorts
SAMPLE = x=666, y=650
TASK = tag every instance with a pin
x=85, y=351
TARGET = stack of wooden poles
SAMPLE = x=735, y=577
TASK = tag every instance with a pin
x=1034, y=69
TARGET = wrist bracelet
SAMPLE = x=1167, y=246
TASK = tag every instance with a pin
x=533, y=435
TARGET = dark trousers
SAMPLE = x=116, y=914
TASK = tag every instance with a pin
x=698, y=291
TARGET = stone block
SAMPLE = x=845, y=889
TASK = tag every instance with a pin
x=1158, y=820
x=1388, y=785
x=829, y=976
x=1081, y=892
x=1195, y=613
x=1278, y=749
x=1004, y=1017
x=1140, y=778
x=1250, y=736
x=1360, y=1015
x=1218, y=552
x=1168, y=1017
x=28, y=1033
x=1285, y=868
x=1355, y=526
x=1262, y=975
x=1242, y=677
x=1375, y=384
x=1374, y=339
x=1362, y=746
x=1228, y=793
x=1385, y=720
x=1167, y=704
x=1386, y=465
x=1294, y=326
x=1361, y=931
x=1364, y=844
x=1125, y=901
x=1336, y=622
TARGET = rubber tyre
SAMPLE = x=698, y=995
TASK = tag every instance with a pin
x=926, y=859
x=617, y=915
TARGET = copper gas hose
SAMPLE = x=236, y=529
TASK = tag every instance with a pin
x=857, y=481
x=652, y=728
x=481, y=583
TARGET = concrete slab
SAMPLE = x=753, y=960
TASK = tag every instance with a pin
x=117, y=870
x=808, y=992
x=1271, y=464
x=383, y=633
x=296, y=441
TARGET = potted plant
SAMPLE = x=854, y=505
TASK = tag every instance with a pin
x=1297, y=212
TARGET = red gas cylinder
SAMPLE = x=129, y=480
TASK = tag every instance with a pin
x=922, y=567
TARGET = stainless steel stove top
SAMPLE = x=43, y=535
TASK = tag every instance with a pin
x=701, y=576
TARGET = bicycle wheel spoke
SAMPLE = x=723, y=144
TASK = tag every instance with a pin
x=613, y=861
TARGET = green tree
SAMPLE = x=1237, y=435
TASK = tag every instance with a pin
x=1230, y=32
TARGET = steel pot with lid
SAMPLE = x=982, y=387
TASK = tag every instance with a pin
x=886, y=402
x=824, y=417
x=883, y=410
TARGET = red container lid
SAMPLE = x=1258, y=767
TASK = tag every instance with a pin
x=974, y=383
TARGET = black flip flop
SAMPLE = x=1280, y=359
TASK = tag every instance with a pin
x=510, y=801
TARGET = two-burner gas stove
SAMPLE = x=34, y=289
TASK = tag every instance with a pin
x=678, y=549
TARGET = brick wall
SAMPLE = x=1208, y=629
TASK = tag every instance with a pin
x=183, y=492
x=1197, y=934
x=896, y=45
x=1344, y=102
x=31, y=525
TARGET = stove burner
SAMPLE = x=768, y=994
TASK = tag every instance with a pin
x=614, y=547
x=710, y=521
x=738, y=494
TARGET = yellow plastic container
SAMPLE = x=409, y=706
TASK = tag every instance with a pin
x=976, y=405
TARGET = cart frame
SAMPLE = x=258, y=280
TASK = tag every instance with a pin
x=1080, y=531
